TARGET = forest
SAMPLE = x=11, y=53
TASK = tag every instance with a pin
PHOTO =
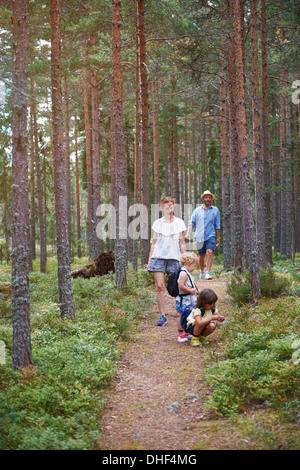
x=107, y=106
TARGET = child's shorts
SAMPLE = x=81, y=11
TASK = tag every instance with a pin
x=179, y=306
x=190, y=329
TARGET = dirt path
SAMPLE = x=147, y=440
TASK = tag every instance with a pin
x=155, y=402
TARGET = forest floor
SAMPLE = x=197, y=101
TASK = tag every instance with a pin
x=155, y=402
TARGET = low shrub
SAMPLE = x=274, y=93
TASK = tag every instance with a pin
x=258, y=363
x=55, y=404
x=271, y=283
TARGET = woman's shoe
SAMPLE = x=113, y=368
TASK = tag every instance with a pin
x=162, y=321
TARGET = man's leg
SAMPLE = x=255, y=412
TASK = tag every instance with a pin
x=202, y=261
x=209, y=259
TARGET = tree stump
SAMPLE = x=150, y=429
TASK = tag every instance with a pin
x=102, y=264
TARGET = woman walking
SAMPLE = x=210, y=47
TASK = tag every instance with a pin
x=167, y=245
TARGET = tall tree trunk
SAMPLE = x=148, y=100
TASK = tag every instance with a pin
x=67, y=159
x=88, y=151
x=112, y=169
x=224, y=165
x=155, y=142
x=295, y=192
x=166, y=158
x=186, y=161
x=194, y=163
x=137, y=157
x=145, y=243
x=283, y=212
x=257, y=155
x=235, y=204
x=63, y=255
x=175, y=160
x=21, y=349
x=119, y=148
x=288, y=178
x=265, y=137
x=43, y=248
x=97, y=244
x=77, y=194
x=248, y=225
x=32, y=198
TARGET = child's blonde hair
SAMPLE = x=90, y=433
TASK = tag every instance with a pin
x=189, y=257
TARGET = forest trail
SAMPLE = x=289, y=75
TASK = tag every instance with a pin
x=155, y=401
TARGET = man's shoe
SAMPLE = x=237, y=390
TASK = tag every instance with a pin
x=207, y=276
x=202, y=275
x=162, y=321
x=196, y=341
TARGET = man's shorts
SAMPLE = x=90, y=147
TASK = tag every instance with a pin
x=163, y=265
x=209, y=244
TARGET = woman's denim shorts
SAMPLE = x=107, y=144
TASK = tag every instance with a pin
x=163, y=265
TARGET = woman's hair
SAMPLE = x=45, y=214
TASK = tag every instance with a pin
x=206, y=296
x=188, y=257
x=167, y=200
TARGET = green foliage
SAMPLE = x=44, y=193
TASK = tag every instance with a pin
x=272, y=285
x=257, y=366
x=55, y=403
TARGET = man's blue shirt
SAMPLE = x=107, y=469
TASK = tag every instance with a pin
x=206, y=222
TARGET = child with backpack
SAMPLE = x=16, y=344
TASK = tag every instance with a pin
x=200, y=321
x=187, y=290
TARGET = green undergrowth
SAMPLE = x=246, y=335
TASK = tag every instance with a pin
x=257, y=365
x=56, y=403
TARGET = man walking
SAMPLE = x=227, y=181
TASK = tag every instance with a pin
x=206, y=220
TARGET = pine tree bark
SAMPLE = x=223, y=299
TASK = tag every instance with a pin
x=63, y=255
x=97, y=244
x=67, y=159
x=282, y=126
x=235, y=197
x=32, y=198
x=155, y=142
x=256, y=145
x=194, y=163
x=21, y=349
x=288, y=178
x=295, y=191
x=77, y=193
x=224, y=164
x=43, y=248
x=145, y=243
x=175, y=160
x=248, y=224
x=119, y=148
x=88, y=152
x=137, y=157
x=265, y=138
x=166, y=158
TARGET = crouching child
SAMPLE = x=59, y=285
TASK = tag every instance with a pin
x=200, y=321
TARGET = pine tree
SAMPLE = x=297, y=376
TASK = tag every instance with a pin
x=21, y=352
x=63, y=254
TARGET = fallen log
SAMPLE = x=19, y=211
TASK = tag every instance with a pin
x=103, y=264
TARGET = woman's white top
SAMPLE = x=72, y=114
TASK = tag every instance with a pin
x=168, y=234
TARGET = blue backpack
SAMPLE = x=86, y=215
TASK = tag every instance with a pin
x=185, y=313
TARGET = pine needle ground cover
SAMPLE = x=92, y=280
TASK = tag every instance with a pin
x=56, y=402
